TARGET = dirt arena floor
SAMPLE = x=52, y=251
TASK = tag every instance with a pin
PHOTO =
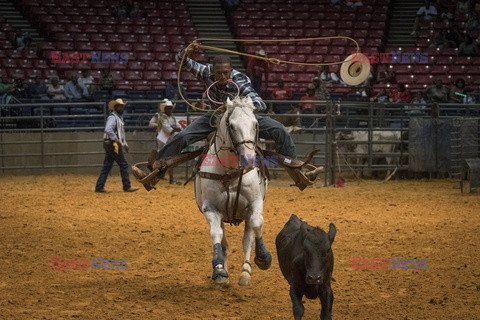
x=167, y=244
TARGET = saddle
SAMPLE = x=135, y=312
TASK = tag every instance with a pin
x=302, y=173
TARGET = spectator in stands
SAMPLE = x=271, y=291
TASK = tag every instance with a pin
x=75, y=90
x=87, y=80
x=257, y=69
x=473, y=22
x=55, y=89
x=38, y=89
x=22, y=39
x=171, y=90
x=6, y=90
x=463, y=7
x=330, y=77
x=126, y=9
x=476, y=6
x=477, y=43
x=453, y=36
x=107, y=82
x=457, y=91
x=419, y=98
x=20, y=89
x=385, y=75
x=292, y=124
x=119, y=10
x=308, y=107
x=437, y=93
x=417, y=104
x=401, y=94
x=364, y=87
x=426, y=13
x=166, y=128
x=468, y=47
x=321, y=90
x=280, y=92
x=439, y=41
x=446, y=9
x=230, y=5
x=381, y=97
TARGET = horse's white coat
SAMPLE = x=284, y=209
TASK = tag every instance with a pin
x=211, y=195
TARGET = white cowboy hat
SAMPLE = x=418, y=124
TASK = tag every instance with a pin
x=354, y=72
x=262, y=53
x=113, y=103
x=165, y=103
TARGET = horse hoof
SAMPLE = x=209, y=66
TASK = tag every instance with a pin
x=265, y=263
x=244, y=279
x=222, y=281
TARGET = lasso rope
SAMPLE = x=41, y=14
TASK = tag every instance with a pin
x=271, y=60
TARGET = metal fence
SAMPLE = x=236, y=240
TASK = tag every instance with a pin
x=68, y=135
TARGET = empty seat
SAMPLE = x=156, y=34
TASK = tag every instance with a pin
x=136, y=65
x=145, y=47
x=153, y=66
x=33, y=73
x=84, y=46
x=9, y=63
x=145, y=56
x=161, y=47
x=164, y=56
x=152, y=75
x=102, y=46
x=133, y=75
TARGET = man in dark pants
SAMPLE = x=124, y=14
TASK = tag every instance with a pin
x=222, y=73
x=114, y=142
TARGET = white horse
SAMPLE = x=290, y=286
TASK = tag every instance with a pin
x=229, y=190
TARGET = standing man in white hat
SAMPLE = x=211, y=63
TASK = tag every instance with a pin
x=166, y=127
x=114, y=143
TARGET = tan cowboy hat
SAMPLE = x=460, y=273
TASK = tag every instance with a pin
x=165, y=103
x=113, y=103
x=354, y=72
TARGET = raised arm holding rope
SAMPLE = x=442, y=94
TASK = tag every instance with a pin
x=224, y=82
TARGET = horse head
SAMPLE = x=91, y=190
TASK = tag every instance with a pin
x=241, y=126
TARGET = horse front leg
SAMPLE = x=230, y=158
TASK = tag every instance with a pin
x=263, y=258
x=214, y=219
x=247, y=241
x=224, y=247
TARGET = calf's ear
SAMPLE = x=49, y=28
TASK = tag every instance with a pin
x=332, y=231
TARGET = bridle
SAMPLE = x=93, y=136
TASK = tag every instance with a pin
x=235, y=144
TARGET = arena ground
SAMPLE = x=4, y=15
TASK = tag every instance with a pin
x=167, y=244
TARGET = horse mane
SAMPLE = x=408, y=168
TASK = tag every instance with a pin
x=239, y=102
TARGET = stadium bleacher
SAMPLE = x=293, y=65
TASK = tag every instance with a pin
x=153, y=40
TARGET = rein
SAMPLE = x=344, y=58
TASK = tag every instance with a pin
x=238, y=173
